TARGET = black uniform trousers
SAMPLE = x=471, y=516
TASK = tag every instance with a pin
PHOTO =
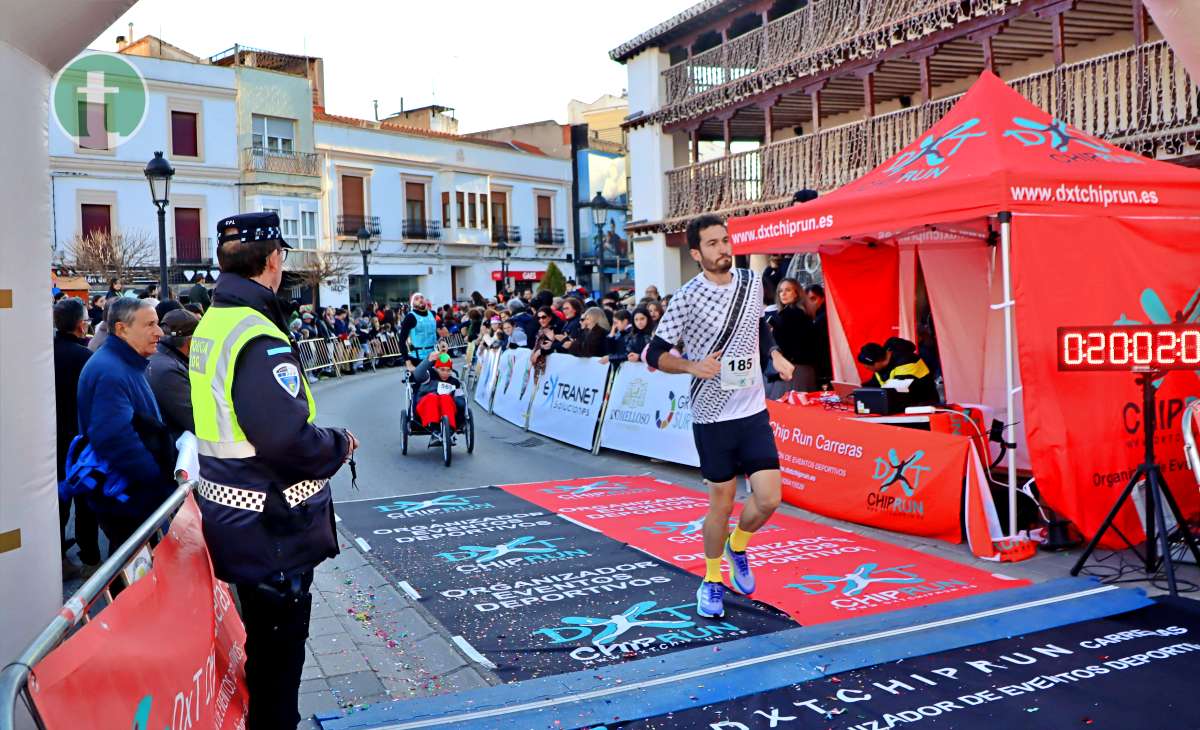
x=276, y=615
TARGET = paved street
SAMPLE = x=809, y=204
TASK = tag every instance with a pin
x=370, y=642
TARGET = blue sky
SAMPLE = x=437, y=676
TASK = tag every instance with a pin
x=496, y=63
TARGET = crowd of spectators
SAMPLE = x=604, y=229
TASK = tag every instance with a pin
x=146, y=344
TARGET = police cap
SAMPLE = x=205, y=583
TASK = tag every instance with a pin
x=263, y=226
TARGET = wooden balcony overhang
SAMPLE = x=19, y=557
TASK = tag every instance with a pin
x=1138, y=98
x=905, y=55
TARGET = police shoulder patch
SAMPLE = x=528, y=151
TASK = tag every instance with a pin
x=288, y=377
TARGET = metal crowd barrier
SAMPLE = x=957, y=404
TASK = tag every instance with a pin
x=1191, y=454
x=80, y=609
x=456, y=344
x=338, y=356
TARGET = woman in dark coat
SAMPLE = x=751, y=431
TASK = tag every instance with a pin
x=636, y=338
x=549, y=328
x=593, y=338
x=793, y=332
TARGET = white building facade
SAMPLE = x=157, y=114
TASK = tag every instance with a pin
x=192, y=119
x=448, y=215
x=652, y=153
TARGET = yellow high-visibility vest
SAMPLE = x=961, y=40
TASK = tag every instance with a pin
x=216, y=344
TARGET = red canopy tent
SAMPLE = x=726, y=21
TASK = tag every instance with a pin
x=1078, y=231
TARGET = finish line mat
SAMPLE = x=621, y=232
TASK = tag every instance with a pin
x=1132, y=670
x=536, y=594
x=816, y=573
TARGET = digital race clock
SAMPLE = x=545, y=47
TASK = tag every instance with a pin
x=1129, y=347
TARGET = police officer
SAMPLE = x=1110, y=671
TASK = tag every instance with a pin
x=264, y=467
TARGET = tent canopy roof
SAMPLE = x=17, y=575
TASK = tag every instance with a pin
x=993, y=151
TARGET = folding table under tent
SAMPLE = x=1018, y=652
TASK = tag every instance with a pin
x=1020, y=224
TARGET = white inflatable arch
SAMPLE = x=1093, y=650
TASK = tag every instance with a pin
x=37, y=37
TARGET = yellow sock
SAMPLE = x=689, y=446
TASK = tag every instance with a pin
x=739, y=540
x=712, y=571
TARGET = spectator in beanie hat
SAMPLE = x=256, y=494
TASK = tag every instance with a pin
x=167, y=372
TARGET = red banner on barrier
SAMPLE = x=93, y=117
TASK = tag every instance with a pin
x=898, y=479
x=816, y=573
x=169, y=652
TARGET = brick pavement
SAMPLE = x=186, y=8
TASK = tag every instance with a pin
x=370, y=643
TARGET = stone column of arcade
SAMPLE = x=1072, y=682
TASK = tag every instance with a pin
x=37, y=37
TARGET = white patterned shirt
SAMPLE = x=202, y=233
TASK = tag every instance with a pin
x=703, y=314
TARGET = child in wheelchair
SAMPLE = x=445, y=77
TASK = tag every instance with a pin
x=437, y=393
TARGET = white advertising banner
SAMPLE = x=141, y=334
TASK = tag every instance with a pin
x=487, y=378
x=569, y=396
x=650, y=413
x=514, y=386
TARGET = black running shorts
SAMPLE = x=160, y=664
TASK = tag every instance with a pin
x=729, y=449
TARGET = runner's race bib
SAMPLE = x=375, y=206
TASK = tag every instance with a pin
x=738, y=372
x=445, y=388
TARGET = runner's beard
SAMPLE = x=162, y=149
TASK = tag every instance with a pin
x=720, y=266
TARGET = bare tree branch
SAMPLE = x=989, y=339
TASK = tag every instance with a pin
x=325, y=268
x=110, y=256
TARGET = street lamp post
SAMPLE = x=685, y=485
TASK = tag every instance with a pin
x=158, y=174
x=503, y=251
x=364, y=247
x=600, y=208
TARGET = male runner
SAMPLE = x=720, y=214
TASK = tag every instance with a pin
x=717, y=316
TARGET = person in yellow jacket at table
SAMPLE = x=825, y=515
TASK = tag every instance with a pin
x=897, y=359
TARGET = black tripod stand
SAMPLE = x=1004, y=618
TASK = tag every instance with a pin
x=1156, y=493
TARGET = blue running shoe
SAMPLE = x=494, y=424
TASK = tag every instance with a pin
x=740, y=575
x=710, y=599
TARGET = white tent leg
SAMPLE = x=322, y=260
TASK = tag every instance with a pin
x=1010, y=364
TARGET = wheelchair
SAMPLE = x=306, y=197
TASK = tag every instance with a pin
x=410, y=426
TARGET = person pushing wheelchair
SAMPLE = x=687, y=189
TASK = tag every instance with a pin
x=438, y=392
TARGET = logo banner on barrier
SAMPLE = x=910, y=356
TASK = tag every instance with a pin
x=1136, y=669
x=898, y=479
x=169, y=652
x=514, y=386
x=569, y=396
x=817, y=573
x=488, y=360
x=537, y=594
x=649, y=413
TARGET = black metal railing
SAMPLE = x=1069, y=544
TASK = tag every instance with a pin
x=259, y=159
x=422, y=230
x=192, y=250
x=506, y=234
x=348, y=225
x=549, y=236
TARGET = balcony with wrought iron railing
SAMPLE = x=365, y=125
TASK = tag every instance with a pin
x=1138, y=98
x=506, y=234
x=259, y=159
x=549, y=236
x=349, y=225
x=193, y=250
x=821, y=35
x=421, y=230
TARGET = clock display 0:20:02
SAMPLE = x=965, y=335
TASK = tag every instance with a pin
x=1161, y=347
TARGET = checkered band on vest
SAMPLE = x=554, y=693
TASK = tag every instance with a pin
x=246, y=499
x=301, y=491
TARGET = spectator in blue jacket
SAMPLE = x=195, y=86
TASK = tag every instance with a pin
x=120, y=419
